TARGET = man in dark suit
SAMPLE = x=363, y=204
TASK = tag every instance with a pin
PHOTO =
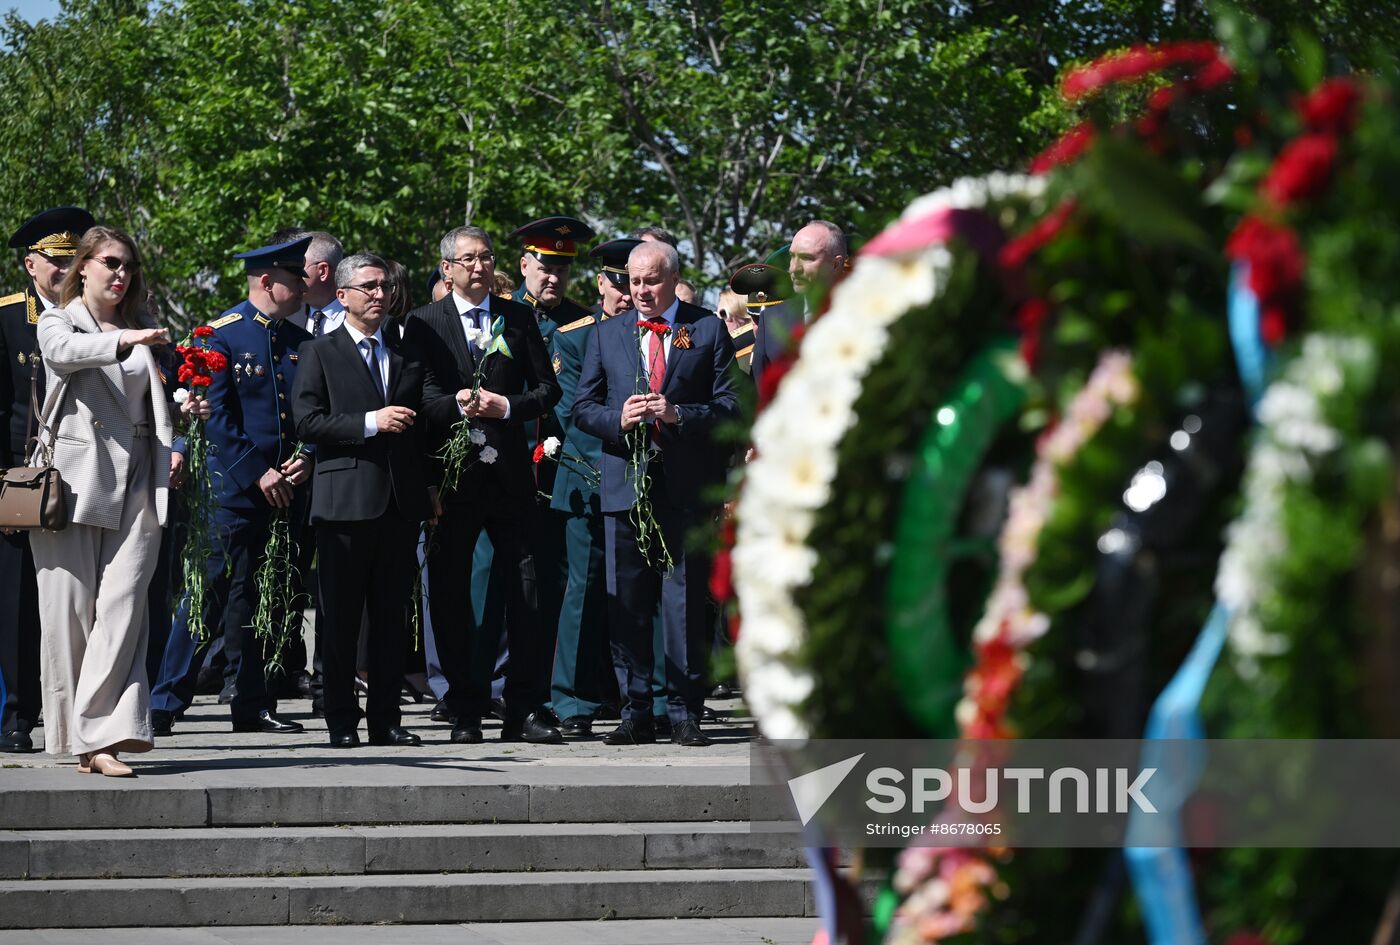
x=661, y=393
x=496, y=492
x=47, y=240
x=358, y=398
x=816, y=258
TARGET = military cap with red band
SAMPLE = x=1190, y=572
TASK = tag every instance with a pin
x=554, y=239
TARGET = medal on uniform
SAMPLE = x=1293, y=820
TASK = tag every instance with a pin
x=259, y=370
x=21, y=357
x=237, y=371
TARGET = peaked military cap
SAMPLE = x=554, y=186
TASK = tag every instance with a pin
x=780, y=256
x=53, y=232
x=554, y=239
x=762, y=284
x=290, y=255
x=613, y=256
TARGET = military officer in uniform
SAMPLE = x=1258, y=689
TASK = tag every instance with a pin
x=764, y=287
x=549, y=248
x=47, y=240
x=584, y=678
x=257, y=469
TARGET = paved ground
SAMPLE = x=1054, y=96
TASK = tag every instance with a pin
x=633, y=932
x=204, y=738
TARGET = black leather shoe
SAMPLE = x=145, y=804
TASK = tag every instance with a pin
x=396, y=736
x=661, y=724
x=267, y=722
x=304, y=684
x=16, y=741
x=631, y=732
x=533, y=728
x=688, y=735
x=162, y=722
x=498, y=709
x=318, y=708
x=549, y=717
x=466, y=732
x=440, y=713
x=345, y=740
x=580, y=726
x=708, y=714
x=721, y=691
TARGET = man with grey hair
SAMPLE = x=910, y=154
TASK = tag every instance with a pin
x=817, y=257
x=657, y=380
x=322, y=313
x=359, y=398
x=496, y=493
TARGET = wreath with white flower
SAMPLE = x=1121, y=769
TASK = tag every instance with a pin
x=808, y=441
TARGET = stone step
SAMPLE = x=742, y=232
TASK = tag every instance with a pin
x=435, y=848
x=450, y=791
x=399, y=898
x=752, y=931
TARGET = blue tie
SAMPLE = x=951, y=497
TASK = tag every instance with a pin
x=372, y=362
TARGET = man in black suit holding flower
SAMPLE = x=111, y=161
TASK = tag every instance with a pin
x=489, y=350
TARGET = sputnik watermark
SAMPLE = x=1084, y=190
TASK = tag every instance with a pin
x=1080, y=793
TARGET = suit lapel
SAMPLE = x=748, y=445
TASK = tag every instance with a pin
x=678, y=354
x=348, y=349
x=395, y=370
x=83, y=319
x=462, y=352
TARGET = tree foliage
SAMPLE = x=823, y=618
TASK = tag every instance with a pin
x=204, y=125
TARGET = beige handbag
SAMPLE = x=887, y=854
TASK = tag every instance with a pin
x=32, y=496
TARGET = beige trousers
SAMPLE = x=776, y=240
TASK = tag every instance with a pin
x=92, y=614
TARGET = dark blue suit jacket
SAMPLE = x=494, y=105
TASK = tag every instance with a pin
x=699, y=382
x=250, y=429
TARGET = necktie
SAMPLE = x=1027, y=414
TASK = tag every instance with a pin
x=656, y=363
x=318, y=321
x=656, y=377
x=481, y=319
x=372, y=362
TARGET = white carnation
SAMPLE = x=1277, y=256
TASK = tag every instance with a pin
x=551, y=446
x=181, y=395
x=488, y=455
x=477, y=437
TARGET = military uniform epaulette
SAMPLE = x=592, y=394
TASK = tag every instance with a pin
x=577, y=323
x=228, y=319
x=12, y=299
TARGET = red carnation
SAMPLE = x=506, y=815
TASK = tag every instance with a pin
x=1066, y=148
x=1028, y=318
x=185, y=373
x=772, y=376
x=1301, y=170
x=539, y=452
x=660, y=328
x=1135, y=63
x=721, y=576
x=1331, y=106
x=1275, y=271
x=201, y=380
x=203, y=331
x=1015, y=253
x=215, y=361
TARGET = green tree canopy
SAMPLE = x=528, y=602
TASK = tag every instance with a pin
x=202, y=126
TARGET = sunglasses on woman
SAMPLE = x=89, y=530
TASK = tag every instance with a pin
x=115, y=263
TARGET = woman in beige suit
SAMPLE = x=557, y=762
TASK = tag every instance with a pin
x=107, y=423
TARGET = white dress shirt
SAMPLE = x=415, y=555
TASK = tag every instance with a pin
x=381, y=357
x=482, y=320
x=333, y=313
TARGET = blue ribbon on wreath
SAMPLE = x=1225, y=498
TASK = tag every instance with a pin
x=1162, y=875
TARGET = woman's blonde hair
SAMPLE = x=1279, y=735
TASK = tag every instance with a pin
x=131, y=310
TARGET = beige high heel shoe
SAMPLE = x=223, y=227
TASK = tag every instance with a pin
x=106, y=763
